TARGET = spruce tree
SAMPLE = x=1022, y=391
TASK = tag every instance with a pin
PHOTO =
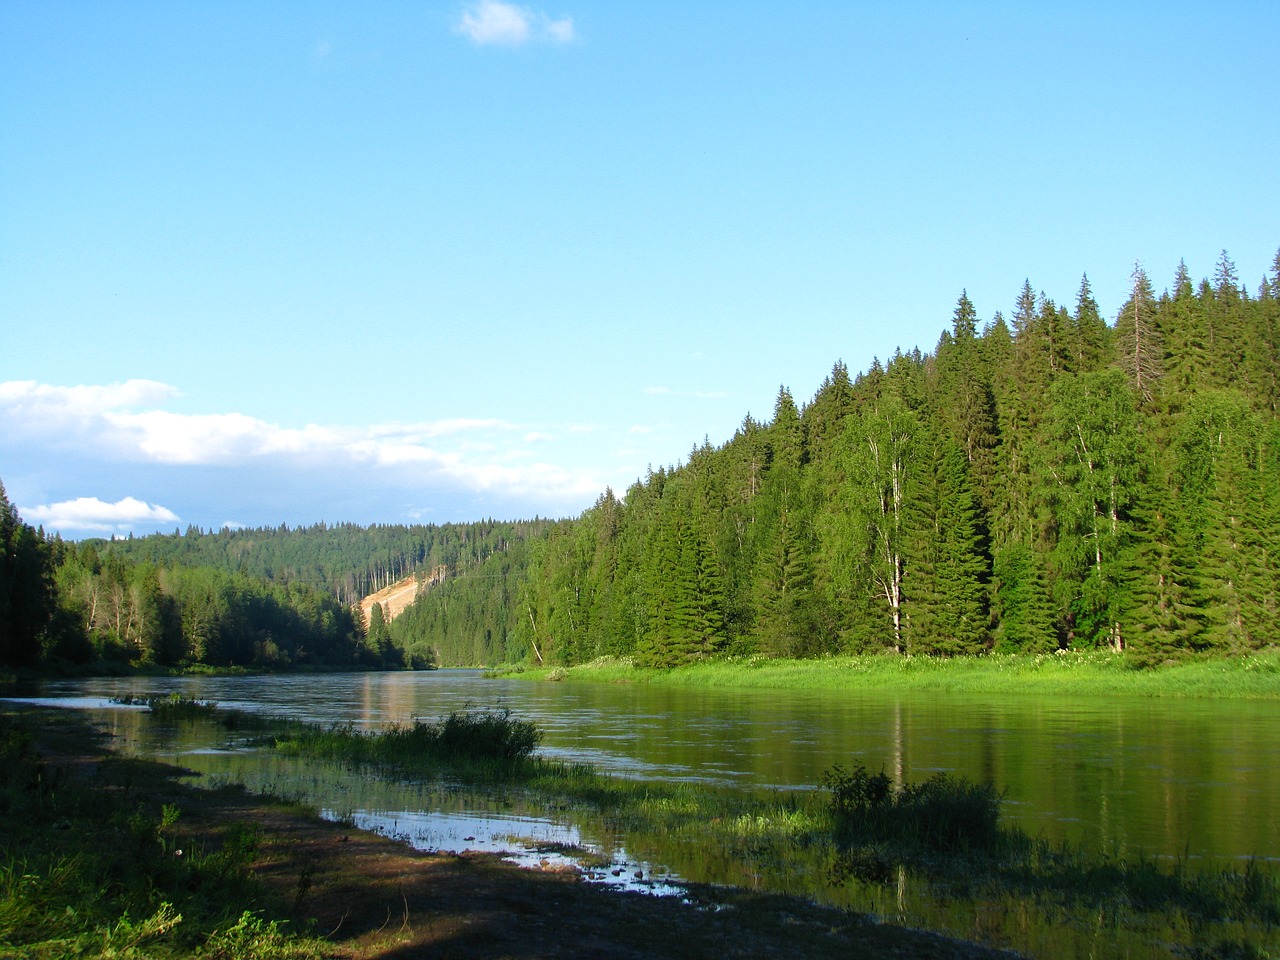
x=1092, y=336
x=1139, y=352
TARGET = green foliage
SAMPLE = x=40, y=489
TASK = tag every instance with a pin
x=1060, y=484
x=96, y=869
x=943, y=813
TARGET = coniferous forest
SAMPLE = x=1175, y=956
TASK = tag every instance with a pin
x=1038, y=482
x=1046, y=481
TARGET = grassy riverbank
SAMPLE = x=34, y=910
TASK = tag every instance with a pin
x=97, y=860
x=1069, y=673
x=127, y=863
x=104, y=858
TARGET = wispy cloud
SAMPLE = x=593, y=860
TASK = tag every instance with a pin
x=507, y=24
x=23, y=397
x=126, y=424
x=90, y=513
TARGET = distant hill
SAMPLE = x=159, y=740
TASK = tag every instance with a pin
x=347, y=560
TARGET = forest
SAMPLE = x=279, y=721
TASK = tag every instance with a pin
x=1046, y=482
x=1050, y=481
x=270, y=598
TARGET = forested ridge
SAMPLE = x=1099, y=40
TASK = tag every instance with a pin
x=1046, y=482
x=1050, y=481
x=346, y=559
x=276, y=598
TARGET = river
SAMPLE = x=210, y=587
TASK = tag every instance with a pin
x=1189, y=779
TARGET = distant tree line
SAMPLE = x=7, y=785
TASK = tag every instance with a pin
x=1049, y=481
x=274, y=598
x=65, y=604
x=345, y=559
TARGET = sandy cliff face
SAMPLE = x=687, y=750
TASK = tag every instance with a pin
x=397, y=597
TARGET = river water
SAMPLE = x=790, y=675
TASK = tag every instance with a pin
x=1189, y=779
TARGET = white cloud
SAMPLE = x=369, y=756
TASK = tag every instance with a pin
x=124, y=424
x=90, y=513
x=26, y=398
x=506, y=24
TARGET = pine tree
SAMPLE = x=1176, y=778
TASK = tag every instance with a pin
x=947, y=570
x=786, y=436
x=1024, y=613
x=784, y=584
x=1227, y=488
x=823, y=418
x=1183, y=330
x=966, y=399
x=27, y=602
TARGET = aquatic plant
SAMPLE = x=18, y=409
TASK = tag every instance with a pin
x=173, y=707
x=472, y=736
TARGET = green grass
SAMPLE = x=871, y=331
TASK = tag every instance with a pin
x=95, y=870
x=1068, y=673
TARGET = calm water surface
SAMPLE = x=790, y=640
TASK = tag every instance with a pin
x=1195, y=779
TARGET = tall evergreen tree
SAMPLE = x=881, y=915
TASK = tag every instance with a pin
x=948, y=572
x=26, y=588
x=1093, y=338
x=1138, y=350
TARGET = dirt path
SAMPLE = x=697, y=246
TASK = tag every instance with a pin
x=372, y=897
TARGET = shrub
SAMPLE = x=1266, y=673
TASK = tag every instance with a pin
x=942, y=813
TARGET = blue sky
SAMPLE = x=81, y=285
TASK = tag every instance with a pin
x=421, y=262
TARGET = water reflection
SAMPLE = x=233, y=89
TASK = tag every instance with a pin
x=1126, y=777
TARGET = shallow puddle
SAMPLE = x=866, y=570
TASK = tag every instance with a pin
x=530, y=842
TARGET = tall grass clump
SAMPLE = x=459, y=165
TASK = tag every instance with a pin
x=944, y=813
x=493, y=739
x=172, y=708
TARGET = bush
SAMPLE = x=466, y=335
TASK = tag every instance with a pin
x=462, y=735
x=942, y=813
x=488, y=733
